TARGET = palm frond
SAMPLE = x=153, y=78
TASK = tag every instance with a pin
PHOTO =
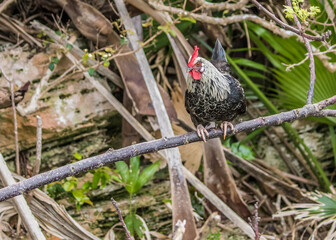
x=293, y=85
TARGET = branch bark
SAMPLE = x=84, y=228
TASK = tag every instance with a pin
x=111, y=156
x=310, y=54
x=222, y=5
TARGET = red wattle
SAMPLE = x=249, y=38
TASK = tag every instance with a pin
x=195, y=74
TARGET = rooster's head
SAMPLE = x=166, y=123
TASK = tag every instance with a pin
x=195, y=65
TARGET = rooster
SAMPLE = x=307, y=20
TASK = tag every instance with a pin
x=212, y=94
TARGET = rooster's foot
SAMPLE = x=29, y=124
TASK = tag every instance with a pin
x=224, y=126
x=202, y=132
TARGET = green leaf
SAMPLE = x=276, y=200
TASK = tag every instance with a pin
x=288, y=12
x=134, y=225
x=255, y=74
x=189, y=19
x=78, y=194
x=123, y=171
x=54, y=60
x=138, y=226
x=147, y=174
x=68, y=186
x=106, y=63
x=78, y=156
x=91, y=71
x=129, y=221
x=87, y=200
x=116, y=178
x=85, y=58
x=69, y=46
x=87, y=185
x=328, y=205
x=104, y=179
x=167, y=201
x=95, y=179
x=51, y=66
x=132, y=184
x=246, y=152
x=123, y=41
x=249, y=63
x=167, y=29
x=55, y=189
x=80, y=198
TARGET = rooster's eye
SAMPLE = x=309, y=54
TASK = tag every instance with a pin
x=198, y=64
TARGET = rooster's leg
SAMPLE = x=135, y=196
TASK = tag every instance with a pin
x=202, y=132
x=224, y=125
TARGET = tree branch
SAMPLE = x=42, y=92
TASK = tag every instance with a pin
x=17, y=151
x=288, y=27
x=310, y=54
x=244, y=17
x=121, y=218
x=163, y=143
x=222, y=5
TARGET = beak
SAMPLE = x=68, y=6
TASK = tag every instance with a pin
x=190, y=68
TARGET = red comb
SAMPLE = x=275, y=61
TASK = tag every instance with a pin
x=193, y=57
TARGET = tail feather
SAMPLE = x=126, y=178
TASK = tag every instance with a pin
x=218, y=53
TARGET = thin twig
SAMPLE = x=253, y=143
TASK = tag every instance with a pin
x=60, y=79
x=310, y=54
x=121, y=219
x=227, y=5
x=34, y=101
x=240, y=18
x=288, y=27
x=254, y=222
x=79, y=53
x=17, y=160
x=223, y=21
x=15, y=27
x=289, y=66
x=5, y=4
x=38, y=145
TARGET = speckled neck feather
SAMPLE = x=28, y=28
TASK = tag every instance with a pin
x=211, y=81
